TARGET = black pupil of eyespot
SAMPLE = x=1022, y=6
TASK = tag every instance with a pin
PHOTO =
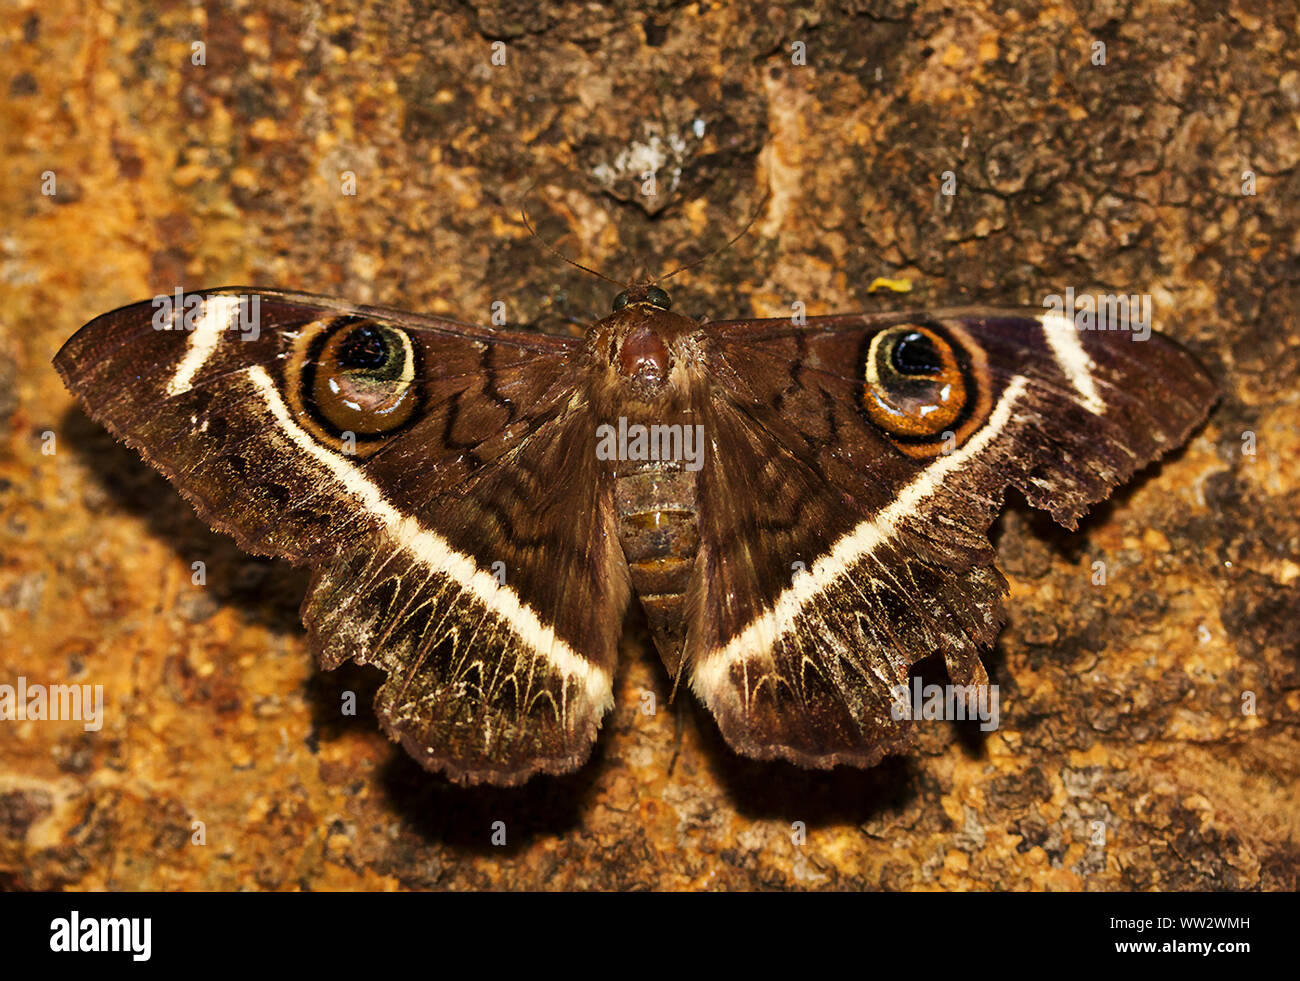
x=915, y=354
x=364, y=347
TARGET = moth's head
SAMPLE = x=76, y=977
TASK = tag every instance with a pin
x=648, y=295
x=641, y=350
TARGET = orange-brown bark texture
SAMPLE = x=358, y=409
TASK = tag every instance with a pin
x=1148, y=738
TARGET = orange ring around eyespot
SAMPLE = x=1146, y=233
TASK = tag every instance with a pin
x=963, y=379
x=321, y=407
x=393, y=401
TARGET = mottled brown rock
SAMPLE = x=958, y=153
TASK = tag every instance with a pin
x=1124, y=760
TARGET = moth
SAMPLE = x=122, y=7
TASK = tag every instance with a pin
x=801, y=509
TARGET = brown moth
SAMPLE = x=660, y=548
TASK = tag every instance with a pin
x=800, y=508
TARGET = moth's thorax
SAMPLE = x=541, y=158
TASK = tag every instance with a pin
x=642, y=359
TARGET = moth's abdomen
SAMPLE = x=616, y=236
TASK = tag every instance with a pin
x=660, y=535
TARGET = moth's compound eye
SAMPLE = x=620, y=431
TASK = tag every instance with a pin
x=658, y=298
x=645, y=295
x=918, y=385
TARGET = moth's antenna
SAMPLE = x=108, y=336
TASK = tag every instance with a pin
x=721, y=248
x=523, y=212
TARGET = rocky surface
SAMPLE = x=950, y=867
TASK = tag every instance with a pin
x=1149, y=733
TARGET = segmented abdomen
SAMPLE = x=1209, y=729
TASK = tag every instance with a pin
x=660, y=535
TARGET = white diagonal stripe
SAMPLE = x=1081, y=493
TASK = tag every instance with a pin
x=216, y=315
x=763, y=633
x=1067, y=347
x=435, y=553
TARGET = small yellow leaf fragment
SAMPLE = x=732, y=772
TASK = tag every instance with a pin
x=895, y=285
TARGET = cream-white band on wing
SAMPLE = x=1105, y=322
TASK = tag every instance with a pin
x=712, y=675
x=216, y=316
x=1067, y=347
x=436, y=554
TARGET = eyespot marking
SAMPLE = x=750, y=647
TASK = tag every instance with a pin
x=351, y=382
x=925, y=387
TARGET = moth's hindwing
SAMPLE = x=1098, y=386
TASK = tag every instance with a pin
x=428, y=469
x=860, y=461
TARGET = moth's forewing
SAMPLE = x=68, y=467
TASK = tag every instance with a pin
x=430, y=471
x=844, y=519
